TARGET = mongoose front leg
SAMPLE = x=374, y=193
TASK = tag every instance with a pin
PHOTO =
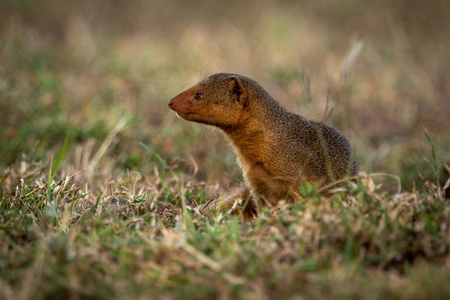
x=240, y=202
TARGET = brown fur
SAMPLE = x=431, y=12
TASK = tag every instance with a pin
x=278, y=151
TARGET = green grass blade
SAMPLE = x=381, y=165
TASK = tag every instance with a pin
x=61, y=153
x=154, y=154
x=433, y=153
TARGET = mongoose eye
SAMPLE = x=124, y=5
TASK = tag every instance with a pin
x=199, y=96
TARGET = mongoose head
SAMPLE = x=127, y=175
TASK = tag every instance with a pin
x=218, y=100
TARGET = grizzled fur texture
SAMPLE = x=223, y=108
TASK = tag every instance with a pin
x=278, y=151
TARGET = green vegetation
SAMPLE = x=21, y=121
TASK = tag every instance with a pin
x=99, y=180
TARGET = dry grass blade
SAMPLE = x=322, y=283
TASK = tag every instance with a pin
x=101, y=151
x=362, y=176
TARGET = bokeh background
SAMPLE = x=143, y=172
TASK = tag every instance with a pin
x=105, y=70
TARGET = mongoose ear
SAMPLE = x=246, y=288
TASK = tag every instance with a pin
x=238, y=90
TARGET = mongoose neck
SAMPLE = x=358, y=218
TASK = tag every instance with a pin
x=260, y=120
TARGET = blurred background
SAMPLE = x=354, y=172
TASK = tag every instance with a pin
x=105, y=70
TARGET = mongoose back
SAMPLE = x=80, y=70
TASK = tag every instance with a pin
x=278, y=151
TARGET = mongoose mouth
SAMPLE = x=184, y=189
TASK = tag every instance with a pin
x=183, y=115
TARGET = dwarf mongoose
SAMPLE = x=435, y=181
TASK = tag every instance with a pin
x=278, y=151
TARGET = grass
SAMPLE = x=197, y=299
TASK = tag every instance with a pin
x=59, y=240
x=99, y=181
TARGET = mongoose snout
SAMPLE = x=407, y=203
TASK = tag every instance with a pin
x=182, y=104
x=277, y=150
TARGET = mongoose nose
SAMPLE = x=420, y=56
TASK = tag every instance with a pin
x=171, y=103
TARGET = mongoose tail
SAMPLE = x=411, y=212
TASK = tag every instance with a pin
x=278, y=151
